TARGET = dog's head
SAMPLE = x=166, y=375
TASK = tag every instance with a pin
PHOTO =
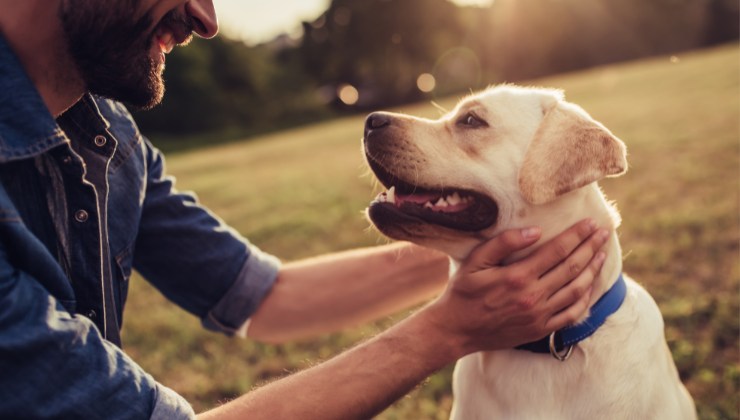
x=458, y=180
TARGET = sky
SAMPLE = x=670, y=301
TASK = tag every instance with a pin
x=261, y=20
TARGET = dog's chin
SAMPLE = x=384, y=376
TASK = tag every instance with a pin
x=454, y=243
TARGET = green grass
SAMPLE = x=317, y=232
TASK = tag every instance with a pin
x=301, y=192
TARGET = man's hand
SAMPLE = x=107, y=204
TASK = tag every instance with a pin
x=488, y=306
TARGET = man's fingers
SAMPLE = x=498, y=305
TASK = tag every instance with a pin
x=570, y=315
x=570, y=302
x=561, y=246
x=576, y=263
x=493, y=251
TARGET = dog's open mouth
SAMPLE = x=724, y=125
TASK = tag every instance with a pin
x=452, y=208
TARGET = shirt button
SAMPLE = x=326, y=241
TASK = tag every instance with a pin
x=92, y=314
x=67, y=160
x=100, y=141
x=81, y=216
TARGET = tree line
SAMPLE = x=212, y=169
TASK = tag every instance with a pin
x=378, y=49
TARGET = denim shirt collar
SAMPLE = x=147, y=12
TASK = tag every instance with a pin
x=27, y=128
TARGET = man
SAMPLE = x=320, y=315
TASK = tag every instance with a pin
x=84, y=199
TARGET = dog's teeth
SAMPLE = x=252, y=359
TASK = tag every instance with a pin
x=441, y=203
x=391, y=195
x=454, y=199
x=428, y=205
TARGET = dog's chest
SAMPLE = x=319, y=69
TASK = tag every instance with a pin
x=517, y=384
x=621, y=370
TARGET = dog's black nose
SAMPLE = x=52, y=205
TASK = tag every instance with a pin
x=376, y=120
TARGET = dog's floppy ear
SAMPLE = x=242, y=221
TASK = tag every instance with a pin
x=569, y=150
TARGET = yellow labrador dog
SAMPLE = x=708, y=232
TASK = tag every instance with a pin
x=512, y=157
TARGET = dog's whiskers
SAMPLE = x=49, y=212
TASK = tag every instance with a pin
x=442, y=110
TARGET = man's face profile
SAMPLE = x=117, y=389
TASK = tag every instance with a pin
x=119, y=48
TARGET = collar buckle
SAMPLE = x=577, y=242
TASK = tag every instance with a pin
x=563, y=355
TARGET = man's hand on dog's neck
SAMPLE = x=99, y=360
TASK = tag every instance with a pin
x=523, y=301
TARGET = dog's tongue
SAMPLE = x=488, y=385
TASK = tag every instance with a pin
x=416, y=198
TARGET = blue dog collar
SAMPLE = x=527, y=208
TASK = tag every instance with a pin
x=561, y=343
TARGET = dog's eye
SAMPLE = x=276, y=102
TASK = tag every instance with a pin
x=470, y=120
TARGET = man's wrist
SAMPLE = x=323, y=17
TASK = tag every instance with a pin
x=446, y=344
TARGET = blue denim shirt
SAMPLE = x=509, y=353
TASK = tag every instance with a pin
x=84, y=199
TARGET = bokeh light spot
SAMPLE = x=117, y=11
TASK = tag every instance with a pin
x=426, y=82
x=348, y=94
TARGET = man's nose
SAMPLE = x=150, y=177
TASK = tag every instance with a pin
x=204, y=18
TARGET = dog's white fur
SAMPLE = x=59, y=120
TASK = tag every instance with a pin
x=539, y=158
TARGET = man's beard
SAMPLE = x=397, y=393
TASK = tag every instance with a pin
x=111, y=50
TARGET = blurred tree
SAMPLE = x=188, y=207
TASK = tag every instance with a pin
x=539, y=37
x=380, y=46
x=222, y=87
x=723, y=21
x=203, y=81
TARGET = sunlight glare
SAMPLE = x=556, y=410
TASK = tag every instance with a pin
x=478, y=3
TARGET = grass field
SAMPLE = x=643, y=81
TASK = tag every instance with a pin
x=301, y=192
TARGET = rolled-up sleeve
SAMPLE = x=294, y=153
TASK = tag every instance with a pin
x=55, y=365
x=241, y=300
x=195, y=259
x=170, y=405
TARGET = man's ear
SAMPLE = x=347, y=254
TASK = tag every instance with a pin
x=569, y=150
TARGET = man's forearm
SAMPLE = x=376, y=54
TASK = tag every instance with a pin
x=337, y=291
x=355, y=385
